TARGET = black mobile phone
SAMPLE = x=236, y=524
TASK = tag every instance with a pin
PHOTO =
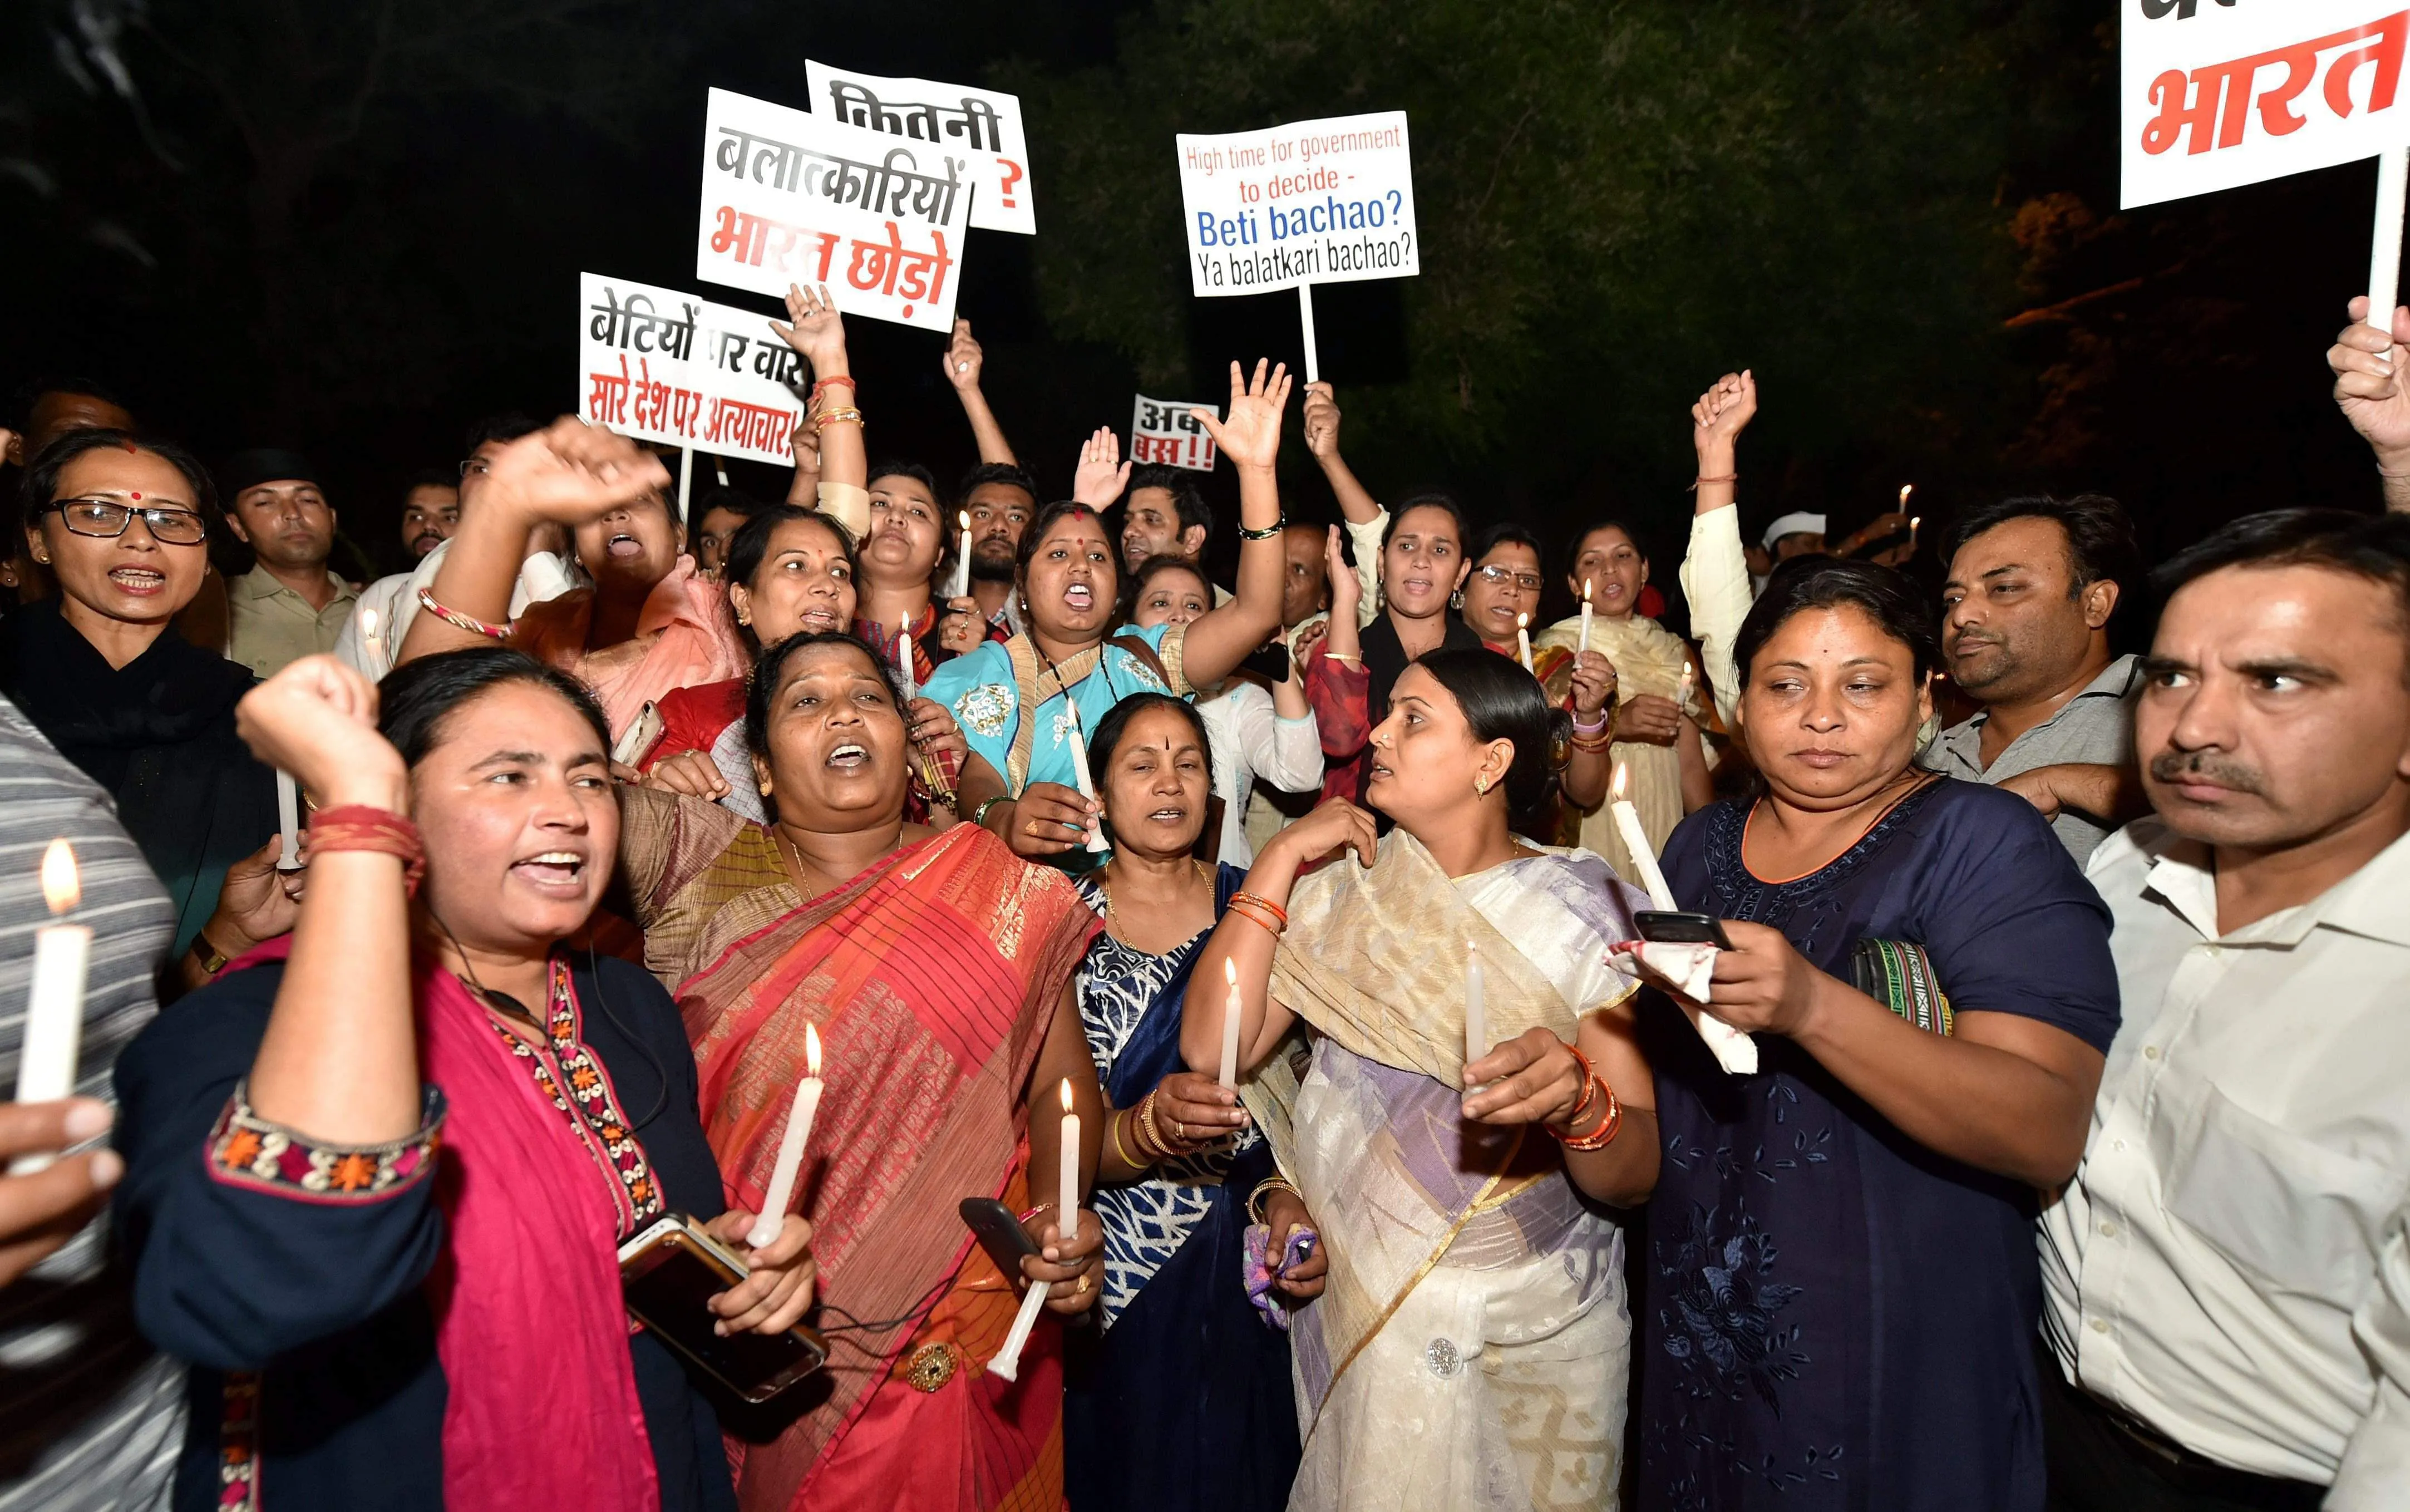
x=998, y=1232
x=669, y=1273
x=1671, y=928
x=1271, y=662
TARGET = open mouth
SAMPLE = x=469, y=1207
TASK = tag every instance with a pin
x=1416, y=586
x=819, y=621
x=623, y=547
x=1079, y=598
x=1381, y=773
x=143, y=580
x=849, y=757
x=1169, y=816
x=554, y=871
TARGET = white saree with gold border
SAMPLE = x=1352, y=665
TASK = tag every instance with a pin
x=1471, y=1347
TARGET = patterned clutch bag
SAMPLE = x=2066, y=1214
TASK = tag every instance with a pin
x=1899, y=976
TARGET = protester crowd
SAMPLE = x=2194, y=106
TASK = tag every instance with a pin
x=2021, y=1127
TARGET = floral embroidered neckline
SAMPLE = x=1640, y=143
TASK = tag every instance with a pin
x=568, y=1073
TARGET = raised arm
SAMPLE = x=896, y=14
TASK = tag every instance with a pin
x=1364, y=514
x=1250, y=438
x=567, y=472
x=1247, y=946
x=1714, y=574
x=964, y=362
x=2369, y=390
x=816, y=331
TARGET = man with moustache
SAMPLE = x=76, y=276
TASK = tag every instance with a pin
x=2033, y=583
x=430, y=512
x=288, y=605
x=1001, y=498
x=2228, y=1277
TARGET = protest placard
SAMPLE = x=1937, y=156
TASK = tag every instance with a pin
x=1164, y=431
x=663, y=365
x=794, y=198
x=980, y=122
x=2218, y=95
x=2239, y=91
x=1327, y=201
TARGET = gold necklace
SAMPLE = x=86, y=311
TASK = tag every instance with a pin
x=1104, y=893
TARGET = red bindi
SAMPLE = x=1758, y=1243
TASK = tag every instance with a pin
x=137, y=494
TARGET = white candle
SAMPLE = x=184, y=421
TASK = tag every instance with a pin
x=963, y=562
x=1231, y=1014
x=1476, y=1011
x=1006, y=1362
x=1636, y=845
x=1585, y=630
x=372, y=643
x=1079, y=771
x=1523, y=640
x=1914, y=521
x=904, y=649
x=45, y=1065
x=790, y=1163
x=1067, y=1205
x=1682, y=688
x=288, y=818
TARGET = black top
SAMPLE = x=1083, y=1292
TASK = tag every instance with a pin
x=324, y=1296
x=158, y=734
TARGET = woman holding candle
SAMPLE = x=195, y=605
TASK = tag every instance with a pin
x=1869, y=1201
x=1013, y=698
x=123, y=526
x=1475, y=1286
x=1502, y=593
x=935, y=969
x=371, y=1318
x=1184, y=1401
x=1636, y=709
x=1257, y=733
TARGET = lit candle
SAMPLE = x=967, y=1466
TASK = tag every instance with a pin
x=1071, y=738
x=1476, y=1011
x=288, y=818
x=1230, y=1017
x=1636, y=845
x=904, y=649
x=372, y=642
x=963, y=562
x=790, y=1163
x=1585, y=630
x=1523, y=640
x=1067, y=1205
x=1914, y=521
x=1682, y=688
x=46, y=1065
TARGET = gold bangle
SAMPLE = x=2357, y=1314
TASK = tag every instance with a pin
x=827, y=417
x=1114, y=1130
x=1146, y=1130
x=1269, y=1183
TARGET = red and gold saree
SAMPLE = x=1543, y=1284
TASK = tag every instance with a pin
x=931, y=978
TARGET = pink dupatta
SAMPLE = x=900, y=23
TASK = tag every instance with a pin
x=541, y=1406
x=684, y=636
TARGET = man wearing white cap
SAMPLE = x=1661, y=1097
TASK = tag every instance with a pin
x=1796, y=534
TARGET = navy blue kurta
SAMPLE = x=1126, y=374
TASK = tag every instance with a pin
x=1833, y=1316
x=325, y=1294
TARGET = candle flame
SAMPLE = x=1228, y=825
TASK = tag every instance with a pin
x=1522, y=622
x=1229, y=971
x=966, y=516
x=1066, y=1093
x=1585, y=590
x=368, y=622
x=811, y=1050
x=1617, y=785
x=61, y=889
x=1914, y=521
x=1905, y=490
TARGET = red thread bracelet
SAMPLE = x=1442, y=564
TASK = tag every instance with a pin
x=364, y=827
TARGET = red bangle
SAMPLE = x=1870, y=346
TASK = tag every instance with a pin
x=361, y=827
x=814, y=397
x=459, y=620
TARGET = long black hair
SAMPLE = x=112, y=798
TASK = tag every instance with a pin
x=1502, y=702
x=416, y=697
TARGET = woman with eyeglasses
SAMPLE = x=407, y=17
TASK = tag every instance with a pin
x=123, y=526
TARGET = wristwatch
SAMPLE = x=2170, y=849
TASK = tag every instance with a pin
x=207, y=956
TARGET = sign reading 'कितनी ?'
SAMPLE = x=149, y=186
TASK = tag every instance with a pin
x=980, y=122
x=1312, y=202
x=664, y=366
x=795, y=198
x=1170, y=433
x=2222, y=92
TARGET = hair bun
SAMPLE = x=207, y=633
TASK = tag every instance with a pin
x=1561, y=740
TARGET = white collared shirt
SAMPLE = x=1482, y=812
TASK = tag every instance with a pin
x=2246, y=1173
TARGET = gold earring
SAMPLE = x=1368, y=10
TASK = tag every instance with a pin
x=1480, y=786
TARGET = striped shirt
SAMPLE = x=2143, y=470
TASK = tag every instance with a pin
x=90, y=1416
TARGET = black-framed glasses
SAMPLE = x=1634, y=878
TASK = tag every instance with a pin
x=106, y=517
x=1498, y=577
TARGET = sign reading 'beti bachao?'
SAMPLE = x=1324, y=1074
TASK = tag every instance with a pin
x=1326, y=201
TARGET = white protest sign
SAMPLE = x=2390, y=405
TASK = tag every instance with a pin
x=795, y=198
x=2222, y=92
x=1312, y=202
x=980, y=122
x=663, y=365
x=1170, y=433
